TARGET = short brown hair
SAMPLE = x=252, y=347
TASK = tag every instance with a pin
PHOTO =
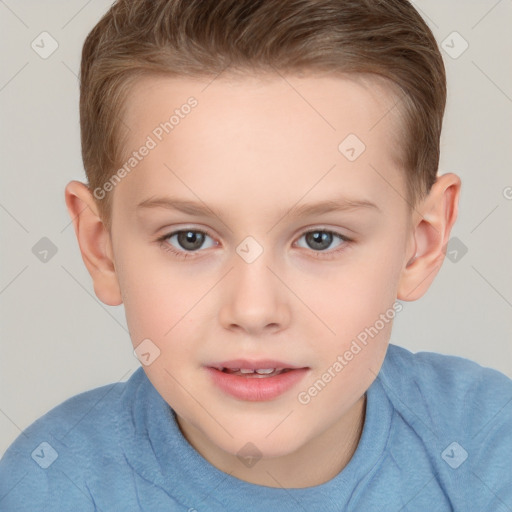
x=198, y=38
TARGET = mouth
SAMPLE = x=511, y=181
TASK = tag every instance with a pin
x=254, y=374
x=255, y=369
x=255, y=380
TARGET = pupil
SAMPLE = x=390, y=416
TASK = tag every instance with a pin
x=190, y=240
x=319, y=240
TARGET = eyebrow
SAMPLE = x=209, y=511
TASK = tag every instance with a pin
x=202, y=210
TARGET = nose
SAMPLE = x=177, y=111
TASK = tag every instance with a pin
x=254, y=300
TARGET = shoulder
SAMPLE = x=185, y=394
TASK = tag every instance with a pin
x=57, y=453
x=447, y=380
x=437, y=384
x=461, y=413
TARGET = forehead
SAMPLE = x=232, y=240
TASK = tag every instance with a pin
x=250, y=132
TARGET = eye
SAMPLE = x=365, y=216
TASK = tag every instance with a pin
x=321, y=240
x=186, y=240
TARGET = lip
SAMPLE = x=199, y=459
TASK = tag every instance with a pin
x=253, y=365
x=253, y=389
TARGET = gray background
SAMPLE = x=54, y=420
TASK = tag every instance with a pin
x=57, y=339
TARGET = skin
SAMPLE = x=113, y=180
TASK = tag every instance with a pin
x=253, y=150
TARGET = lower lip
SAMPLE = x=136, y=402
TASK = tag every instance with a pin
x=256, y=389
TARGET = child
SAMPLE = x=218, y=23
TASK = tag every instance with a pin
x=262, y=192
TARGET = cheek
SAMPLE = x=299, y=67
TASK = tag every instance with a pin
x=356, y=303
x=354, y=296
x=153, y=298
x=162, y=306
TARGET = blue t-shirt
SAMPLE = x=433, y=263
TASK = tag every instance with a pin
x=437, y=436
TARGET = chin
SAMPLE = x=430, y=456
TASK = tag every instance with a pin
x=256, y=444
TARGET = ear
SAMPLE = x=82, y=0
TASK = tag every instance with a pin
x=430, y=233
x=94, y=241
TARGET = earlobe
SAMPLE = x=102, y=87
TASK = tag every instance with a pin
x=94, y=242
x=431, y=232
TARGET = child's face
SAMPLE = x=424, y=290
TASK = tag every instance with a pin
x=254, y=152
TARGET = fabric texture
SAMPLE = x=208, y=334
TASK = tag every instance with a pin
x=437, y=436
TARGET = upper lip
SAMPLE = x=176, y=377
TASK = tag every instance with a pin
x=253, y=365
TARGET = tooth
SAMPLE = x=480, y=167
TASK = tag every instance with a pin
x=265, y=371
x=244, y=370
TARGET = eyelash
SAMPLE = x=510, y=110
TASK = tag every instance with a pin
x=187, y=254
